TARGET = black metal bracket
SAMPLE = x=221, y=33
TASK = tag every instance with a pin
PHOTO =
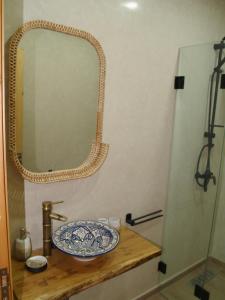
x=219, y=46
x=154, y=215
x=212, y=135
x=201, y=293
x=219, y=126
x=222, y=82
x=162, y=267
x=179, y=82
x=207, y=134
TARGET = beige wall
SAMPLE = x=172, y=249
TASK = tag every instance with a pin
x=141, y=50
x=218, y=241
x=218, y=245
x=13, y=19
x=13, y=14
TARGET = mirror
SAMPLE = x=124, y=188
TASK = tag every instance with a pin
x=56, y=102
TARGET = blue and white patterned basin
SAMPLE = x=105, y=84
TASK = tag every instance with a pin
x=85, y=239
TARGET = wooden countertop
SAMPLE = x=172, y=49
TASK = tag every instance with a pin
x=65, y=276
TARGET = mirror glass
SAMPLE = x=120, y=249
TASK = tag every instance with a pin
x=57, y=84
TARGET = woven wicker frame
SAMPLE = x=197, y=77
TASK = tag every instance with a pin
x=99, y=150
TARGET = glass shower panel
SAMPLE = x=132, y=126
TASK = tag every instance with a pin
x=215, y=265
x=189, y=211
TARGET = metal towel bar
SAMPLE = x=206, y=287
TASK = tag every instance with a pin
x=154, y=215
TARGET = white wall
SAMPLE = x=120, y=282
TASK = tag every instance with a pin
x=218, y=242
x=218, y=247
x=141, y=50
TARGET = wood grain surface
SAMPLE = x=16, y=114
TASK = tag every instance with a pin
x=65, y=276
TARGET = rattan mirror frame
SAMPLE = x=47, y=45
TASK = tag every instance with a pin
x=99, y=150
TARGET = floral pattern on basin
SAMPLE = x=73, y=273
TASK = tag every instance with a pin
x=85, y=239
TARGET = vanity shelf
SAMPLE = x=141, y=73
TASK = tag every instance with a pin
x=65, y=276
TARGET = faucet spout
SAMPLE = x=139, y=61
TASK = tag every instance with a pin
x=48, y=216
x=58, y=217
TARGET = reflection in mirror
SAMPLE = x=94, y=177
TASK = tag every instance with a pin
x=57, y=100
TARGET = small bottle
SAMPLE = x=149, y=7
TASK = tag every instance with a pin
x=23, y=247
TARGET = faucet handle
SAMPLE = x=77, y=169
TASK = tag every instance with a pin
x=57, y=202
x=47, y=205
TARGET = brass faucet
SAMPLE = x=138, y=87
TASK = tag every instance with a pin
x=48, y=216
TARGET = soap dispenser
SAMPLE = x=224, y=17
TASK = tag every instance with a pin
x=23, y=247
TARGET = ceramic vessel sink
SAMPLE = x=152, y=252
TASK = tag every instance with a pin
x=85, y=240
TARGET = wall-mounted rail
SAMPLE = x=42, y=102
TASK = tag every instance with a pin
x=153, y=215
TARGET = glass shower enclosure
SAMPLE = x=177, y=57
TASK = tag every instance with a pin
x=194, y=230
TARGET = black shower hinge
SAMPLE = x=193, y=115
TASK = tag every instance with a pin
x=207, y=134
x=222, y=82
x=162, y=267
x=219, y=46
x=201, y=293
x=179, y=82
